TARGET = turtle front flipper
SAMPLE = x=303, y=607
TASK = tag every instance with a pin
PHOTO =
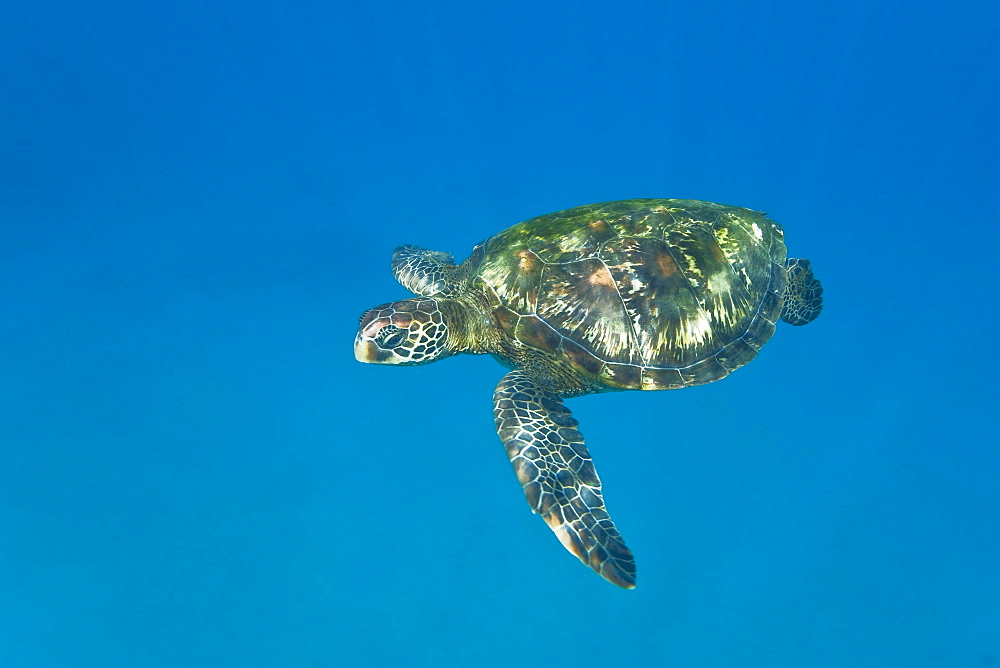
x=558, y=476
x=423, y=272
x=803, y=298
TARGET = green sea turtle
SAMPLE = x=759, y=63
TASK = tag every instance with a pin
x=645, y=294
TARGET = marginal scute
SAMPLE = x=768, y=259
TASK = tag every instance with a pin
x=661, y=379
x=759, y=333
x=506, y=319
x=706, y=371
x=581, y=359
x=736, y=354
x=621, y=376
x=770, y=307
x=535, y=332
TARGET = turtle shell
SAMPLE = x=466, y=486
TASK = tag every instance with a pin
x=639, y=294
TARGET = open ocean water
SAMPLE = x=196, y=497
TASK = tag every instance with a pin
x=198, y=200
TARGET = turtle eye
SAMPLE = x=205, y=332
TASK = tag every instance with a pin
x=395, y=339
x=392, y=338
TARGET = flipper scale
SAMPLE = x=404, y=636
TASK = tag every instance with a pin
x=559, y=480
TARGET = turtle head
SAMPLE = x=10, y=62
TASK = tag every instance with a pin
x=411, y=331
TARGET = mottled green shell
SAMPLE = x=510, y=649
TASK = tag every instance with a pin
x=639, y=294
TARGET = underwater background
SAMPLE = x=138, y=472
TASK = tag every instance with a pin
x=198, y=200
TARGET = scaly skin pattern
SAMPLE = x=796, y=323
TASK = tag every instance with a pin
x=559, y=479
x=423, y=272
x=803, y=294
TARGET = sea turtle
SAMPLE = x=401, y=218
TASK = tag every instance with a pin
x=643, y=294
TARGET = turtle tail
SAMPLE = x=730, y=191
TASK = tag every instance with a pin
x=803, y=299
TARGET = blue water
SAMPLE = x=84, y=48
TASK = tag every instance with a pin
x=197, y=202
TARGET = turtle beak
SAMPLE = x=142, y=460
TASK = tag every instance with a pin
x=365, y=350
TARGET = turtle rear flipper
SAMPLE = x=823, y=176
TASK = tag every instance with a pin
x=558, y=476
x=803, y=299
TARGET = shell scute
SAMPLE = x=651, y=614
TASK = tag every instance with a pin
x=621, y=376
x=583, y=301
x=537, y=333
x=661, y=379
x=770, y=307
x=665, y=313
x=736, y=354
x=580, y=358
x=505, y=318
x=759, y=332
x=706, y=371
